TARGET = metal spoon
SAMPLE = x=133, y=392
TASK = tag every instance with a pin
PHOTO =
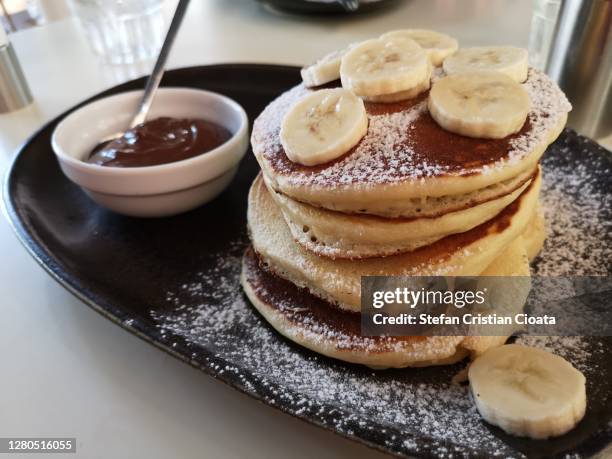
x=155, y=77
x=349, y=6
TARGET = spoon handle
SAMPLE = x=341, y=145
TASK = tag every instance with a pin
x=160, y=65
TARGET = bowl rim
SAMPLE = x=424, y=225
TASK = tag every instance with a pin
x=208, y=156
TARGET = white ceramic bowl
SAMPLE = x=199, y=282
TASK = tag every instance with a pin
x=151, y=191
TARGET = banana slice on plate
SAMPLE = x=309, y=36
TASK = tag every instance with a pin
x=527, y=391
x=324, y=70
x=508, y=60
x=377, y=67
x=322, y=126
x=437, y=45
x=482, y=104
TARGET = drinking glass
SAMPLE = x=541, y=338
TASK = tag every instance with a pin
x=122, y=31
x=543, y=22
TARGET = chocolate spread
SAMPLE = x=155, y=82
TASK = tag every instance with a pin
x=160, y=141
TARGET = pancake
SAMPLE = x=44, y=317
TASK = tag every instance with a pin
x=339, y=281
x=320, y=326
x=406, y=155
x=339, y=235
x=512, y=262
x=535, y=234
x=435, y=206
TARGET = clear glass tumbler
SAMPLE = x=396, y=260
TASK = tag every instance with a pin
x=543, y=22
x=122, y=31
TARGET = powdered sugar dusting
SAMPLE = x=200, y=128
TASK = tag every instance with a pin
x=577, y=210
x=385, y=136
x=402, y=405
x=387, y=155
x=548, y=107
x=412, y=411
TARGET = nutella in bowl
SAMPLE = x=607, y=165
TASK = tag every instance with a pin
x=185, y=155
x=160, y=141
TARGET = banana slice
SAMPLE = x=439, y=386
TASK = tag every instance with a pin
x=323, y=126
x=324, y=70
x=505, y=59
x=377, y=67
x=527, y=391
x=437, y=45
x=401, y=95
x=482, y=104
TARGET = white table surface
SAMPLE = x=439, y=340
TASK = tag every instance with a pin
x=66, y=371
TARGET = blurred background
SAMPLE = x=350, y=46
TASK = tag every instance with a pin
x=118, y=39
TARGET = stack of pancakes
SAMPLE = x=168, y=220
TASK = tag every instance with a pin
x=410, y=199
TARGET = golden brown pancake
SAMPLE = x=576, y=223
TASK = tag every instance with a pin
x=339, y=281
x=339, y=235
x=535, y=234
x=406, y=155
x=322, y=327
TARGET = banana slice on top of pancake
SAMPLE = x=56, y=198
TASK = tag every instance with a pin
x=508, y=60
x=385, y=66
x=437, y=45
x=482, y=104
x=324, y=70
x=323, y=126
x=528, y=391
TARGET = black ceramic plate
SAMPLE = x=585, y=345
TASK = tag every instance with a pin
x=174, y=283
